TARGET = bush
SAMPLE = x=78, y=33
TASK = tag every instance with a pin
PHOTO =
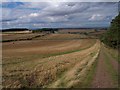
x=111, y=37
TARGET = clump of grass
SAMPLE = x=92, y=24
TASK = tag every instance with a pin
x=86, y=83
x=113, y=52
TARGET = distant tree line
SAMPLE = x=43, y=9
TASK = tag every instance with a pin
x=15, y=29
x=112, y=36
x=45, y=29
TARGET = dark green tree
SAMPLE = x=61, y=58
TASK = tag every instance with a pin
x=112, y=36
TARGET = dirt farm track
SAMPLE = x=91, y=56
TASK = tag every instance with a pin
x=58, y=61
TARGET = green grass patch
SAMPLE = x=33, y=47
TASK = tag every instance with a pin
x=111, y=70
x=113, y=52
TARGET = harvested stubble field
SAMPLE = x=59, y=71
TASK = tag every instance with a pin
x=76, y=30
x=55, y=61
x=18, y=36
x=61, y=37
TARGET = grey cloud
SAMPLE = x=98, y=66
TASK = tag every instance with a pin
x=66, y=9
x=64, y=14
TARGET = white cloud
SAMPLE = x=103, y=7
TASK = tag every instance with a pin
x=96, y=17
x=34, y=15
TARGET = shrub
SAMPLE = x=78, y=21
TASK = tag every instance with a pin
x=111, y=37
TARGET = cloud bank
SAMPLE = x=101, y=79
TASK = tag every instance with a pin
x=57, y=14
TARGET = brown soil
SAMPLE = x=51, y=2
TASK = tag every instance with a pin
x=102, y=77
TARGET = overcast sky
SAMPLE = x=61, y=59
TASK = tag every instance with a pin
x=57, y=14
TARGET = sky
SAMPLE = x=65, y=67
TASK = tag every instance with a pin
x=57, y=14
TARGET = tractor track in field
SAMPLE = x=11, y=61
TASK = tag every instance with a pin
x=106, y=69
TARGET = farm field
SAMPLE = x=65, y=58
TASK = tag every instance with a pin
x=18, y=36
x=57, y=61
x=76, y=30
x=62, y=37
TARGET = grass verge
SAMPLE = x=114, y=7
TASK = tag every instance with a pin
x=113, y=52
x=86, y=83
x=111, y=70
